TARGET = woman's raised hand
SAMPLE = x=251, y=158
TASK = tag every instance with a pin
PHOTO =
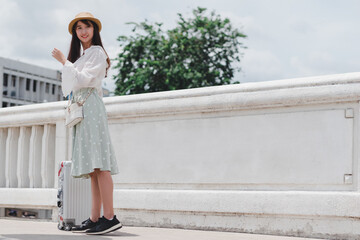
x=58, y=55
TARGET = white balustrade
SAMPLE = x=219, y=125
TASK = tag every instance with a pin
x=48, y=156
x=23, y=157
x=11, y=157
x=35, y=156
x=277, y=157
x=27, y=156
x=3, y=137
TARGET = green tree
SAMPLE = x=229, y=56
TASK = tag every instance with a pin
x=198, y=52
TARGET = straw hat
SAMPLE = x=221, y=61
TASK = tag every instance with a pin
x=81, y=16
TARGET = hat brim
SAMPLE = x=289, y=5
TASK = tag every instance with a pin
x=71, y=24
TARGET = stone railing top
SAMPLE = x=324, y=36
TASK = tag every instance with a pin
x=270, y=94
x=310, y=82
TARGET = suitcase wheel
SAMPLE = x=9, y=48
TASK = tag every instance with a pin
x=68, y=227
x=60, y=226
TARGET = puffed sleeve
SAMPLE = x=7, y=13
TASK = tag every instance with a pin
x=94, y=66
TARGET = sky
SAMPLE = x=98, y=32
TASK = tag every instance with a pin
x=286, y=38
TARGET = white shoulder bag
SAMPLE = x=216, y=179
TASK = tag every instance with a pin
x=74, y=112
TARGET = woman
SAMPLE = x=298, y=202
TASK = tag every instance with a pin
x=93, y=154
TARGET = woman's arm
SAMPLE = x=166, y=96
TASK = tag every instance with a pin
x=95, y=65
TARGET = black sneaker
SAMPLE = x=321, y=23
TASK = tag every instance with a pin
x=105, y=226
x=85, y=225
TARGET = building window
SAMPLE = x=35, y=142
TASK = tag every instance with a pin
x=5, y=93
x=4, y=104
x=47, y=88
x=5, y=82
x=28, y=84
x=13, y=94
x=12, y=104
x=13, y=80
x=34, y=86
x=53, y=89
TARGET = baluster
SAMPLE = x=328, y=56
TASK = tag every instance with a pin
x=35, y=156
x=3, y=137
x=48, y=156
x=11, y=157
x=23, y=157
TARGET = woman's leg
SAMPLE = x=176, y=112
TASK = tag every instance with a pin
x=106, y=191
x=96, y=197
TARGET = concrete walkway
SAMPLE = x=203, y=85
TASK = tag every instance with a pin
x=11, y=229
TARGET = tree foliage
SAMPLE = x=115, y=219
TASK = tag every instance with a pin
x=198, y=52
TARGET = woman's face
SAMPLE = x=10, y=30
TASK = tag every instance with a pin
x=84, y=33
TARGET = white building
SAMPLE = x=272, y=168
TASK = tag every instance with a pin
x=23, y=83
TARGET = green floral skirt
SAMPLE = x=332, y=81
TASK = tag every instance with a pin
x=91, y=143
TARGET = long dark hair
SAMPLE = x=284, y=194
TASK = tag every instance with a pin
x=74, y=52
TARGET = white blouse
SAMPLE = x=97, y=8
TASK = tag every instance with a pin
x=87, y=71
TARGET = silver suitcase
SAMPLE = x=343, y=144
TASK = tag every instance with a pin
x=73, y=198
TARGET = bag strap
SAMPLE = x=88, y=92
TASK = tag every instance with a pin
x=79, y=103
x=86, y=97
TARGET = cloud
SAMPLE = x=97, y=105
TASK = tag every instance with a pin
x=10, y=19
x=260, y=65
x=318, y=63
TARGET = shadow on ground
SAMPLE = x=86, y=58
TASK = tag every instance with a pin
x=77, y=236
